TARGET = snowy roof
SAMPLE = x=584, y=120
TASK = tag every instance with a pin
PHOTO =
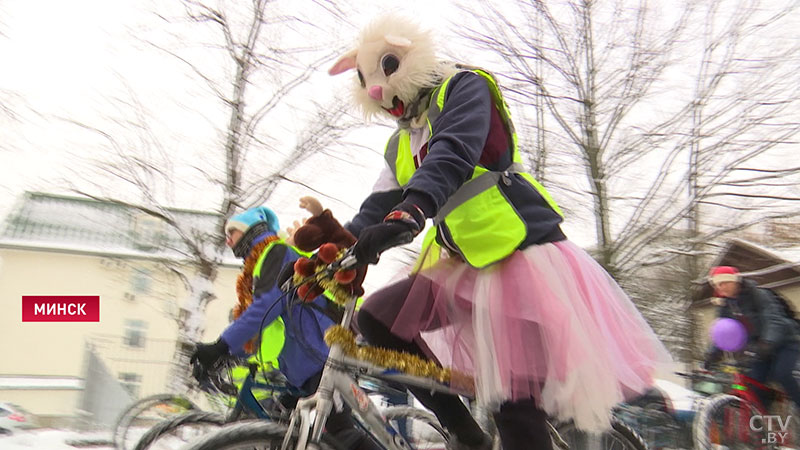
x=40, y=382
x=93, y=226
x=770, y=260
x=791, y=254
x=768, y=267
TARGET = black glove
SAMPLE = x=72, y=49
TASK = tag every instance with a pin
x=405, y=221
x=208, y=354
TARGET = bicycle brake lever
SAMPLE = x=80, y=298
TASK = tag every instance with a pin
x=348, y=261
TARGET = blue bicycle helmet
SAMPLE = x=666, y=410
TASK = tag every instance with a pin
x=244, y=220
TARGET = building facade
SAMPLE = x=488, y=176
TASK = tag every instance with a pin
x=58, y=245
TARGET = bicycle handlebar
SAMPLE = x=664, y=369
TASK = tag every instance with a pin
x=702, y=376
x=349, y=260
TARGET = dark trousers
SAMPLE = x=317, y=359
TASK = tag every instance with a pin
x=521, y=424
x=780, y=367
x=340, y=425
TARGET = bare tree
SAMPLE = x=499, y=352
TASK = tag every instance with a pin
x=265, y=67
x=674, y=116
x=603, y=70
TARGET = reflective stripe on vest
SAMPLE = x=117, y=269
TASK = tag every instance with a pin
x=477, y=221
x=273, y=336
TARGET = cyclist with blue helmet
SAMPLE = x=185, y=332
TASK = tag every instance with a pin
x=298, y=333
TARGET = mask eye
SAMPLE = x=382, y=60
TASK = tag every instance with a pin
x=361, y=79
x=389, y=64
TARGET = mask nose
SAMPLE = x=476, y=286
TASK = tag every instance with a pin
x=376, y=92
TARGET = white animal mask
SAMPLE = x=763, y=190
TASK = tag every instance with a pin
x=394, y=60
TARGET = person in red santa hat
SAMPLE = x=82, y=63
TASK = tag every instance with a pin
x=773, y=332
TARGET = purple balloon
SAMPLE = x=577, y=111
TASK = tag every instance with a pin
x=729, y=335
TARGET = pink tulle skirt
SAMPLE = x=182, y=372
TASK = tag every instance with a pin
x=547, y=323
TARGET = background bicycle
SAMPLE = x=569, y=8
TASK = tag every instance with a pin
x=746, y=415
x=257, y=396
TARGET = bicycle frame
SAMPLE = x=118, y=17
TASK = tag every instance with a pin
x=246, y=400
x=742, y=386
x=336, y=379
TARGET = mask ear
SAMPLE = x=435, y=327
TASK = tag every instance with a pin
x=345, y=63
x=397, y=41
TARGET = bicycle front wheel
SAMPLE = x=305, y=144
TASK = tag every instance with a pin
x=619, y=437
x=724, y=422
x=173, y=433
x=250, y=435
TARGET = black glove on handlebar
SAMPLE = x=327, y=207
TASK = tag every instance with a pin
x=208, y=354
x=374, y=240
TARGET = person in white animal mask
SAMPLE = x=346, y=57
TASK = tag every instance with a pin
x=499, y=291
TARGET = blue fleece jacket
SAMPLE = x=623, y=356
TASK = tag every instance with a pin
x=304, y=350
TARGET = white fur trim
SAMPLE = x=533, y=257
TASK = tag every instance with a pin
x=723, y=277
x=236, y=225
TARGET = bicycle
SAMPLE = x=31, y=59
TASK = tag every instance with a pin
x=187, y=426
x=305, y=430
x=653, y=415
x=127, y=429
x=133, y=422
x=737, y=418
x=664, y=417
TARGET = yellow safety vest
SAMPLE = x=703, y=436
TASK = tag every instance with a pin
x=273, y=336
x=477, y=221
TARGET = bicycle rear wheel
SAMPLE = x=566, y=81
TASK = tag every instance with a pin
x=142, y=414
x=619, y=437
x=724, y=422
x=173, y=433
x=250, y=435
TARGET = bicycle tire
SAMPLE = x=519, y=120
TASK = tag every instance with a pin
x=250, y=435
x=621, y=432
x=169, y=426
x=429, y=420
x=127, y=416
x=702, y=430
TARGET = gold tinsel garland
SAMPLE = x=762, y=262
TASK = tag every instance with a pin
x=339, y=294
x=404, y=362
x=244, y=285
x=391, y=359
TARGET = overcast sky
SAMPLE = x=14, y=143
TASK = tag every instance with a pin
x=65, y=61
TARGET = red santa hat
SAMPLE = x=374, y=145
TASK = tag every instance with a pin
x=721, y=274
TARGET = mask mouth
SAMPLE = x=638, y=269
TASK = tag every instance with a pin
x=398, y=107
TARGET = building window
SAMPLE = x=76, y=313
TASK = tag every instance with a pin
x=135, y=333
x=131, y=382
x=140, y=281
x=148, y=232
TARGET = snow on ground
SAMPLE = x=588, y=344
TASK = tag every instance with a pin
x=51, y=439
